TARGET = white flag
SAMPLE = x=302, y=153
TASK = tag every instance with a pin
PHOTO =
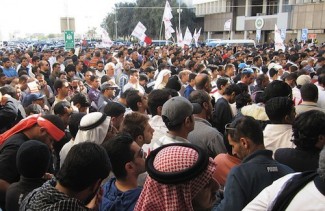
x=227, y=25
x=196, y=36
x=106, y=40
x=179, y=37
x=278, y=41
x=139, y=31
x=167, y=21
x=187, y=37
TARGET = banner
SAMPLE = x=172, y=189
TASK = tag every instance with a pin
x=187, y=37
x=167, y=21
x=106, y=40
x=278, y=41
x=139, y=31
x=196, y=36
x=227, y=25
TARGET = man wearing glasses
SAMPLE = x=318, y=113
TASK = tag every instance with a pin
x=257, y=169
x=122, y=192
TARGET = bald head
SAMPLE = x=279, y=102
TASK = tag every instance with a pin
x=203, y=82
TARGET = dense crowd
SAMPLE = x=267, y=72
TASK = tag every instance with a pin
x=163, y=128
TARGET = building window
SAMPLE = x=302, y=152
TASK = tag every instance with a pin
x=272, y=7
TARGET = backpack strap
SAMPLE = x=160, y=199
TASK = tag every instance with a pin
x=291, y=188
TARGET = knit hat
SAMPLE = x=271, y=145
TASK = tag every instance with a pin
x=33, y=159
x=303, y=79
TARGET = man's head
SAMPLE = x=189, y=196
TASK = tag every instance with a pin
x=61, y=87
x=230, y=70
x=177, y=114
x=100, y=66
x=95, y=82
x=108, y=89
x=137, y=101
x=308, y=130
x=116, y=112
x=44, y=66
x=247, y=76
x=74, y=123
x=63, y=110
x=183, y=171
x=80, y=101
x=85, y=167
x=222, y=84
x=33, y=159
x=129, y=163
x=204, y=100
x=231, y=92
x=70, y=70
x=245, y=136
x=203, y=82
x=280, y=110
x=138, y=126
x=277, y=88
x=156, y=100
x=309, y=92
x=94, y=127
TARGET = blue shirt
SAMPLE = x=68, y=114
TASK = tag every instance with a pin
x=114, y=199
x=188, y=90
x=10, y=72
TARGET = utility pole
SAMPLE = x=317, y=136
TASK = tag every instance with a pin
x=115, y=22
x=179, y=10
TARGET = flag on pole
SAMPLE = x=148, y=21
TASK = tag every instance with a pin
x=187, y=37
x=139, y=31
x=179, y=37
x=167, y=21
x=278, y=41
x=106, y=40
x=196, y=36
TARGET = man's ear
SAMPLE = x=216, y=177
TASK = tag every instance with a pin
x=205, y=105
x=244, y=142
x=42, y=131
x=321, y=142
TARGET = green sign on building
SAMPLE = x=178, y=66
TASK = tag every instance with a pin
x=69, y=39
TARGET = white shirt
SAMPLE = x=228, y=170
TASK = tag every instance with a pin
x=278, y=136
x=160, y=128
x=321, y=97
x=169, y=139
x=308, y=198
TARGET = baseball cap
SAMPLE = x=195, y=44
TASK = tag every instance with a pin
x=242, y=66
x=32, y=97
x=107, y=85
x=176, y=109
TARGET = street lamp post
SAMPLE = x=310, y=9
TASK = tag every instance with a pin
x=179, y=11
x=115, y=22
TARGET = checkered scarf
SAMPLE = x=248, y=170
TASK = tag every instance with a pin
x=157, y=196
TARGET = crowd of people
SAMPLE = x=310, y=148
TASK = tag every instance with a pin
x=163, y=128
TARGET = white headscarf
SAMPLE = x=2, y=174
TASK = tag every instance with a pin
x=96, y=134
x=160, y=77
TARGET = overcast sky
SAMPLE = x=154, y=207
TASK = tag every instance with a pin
x=43, y=16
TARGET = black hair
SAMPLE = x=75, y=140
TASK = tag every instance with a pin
x=120, y=143
x=74, y=123
x=70, y=68
x=232, y=88
x=174, y=83
x=132, y=99
x=321, y=79
x=114, y=109
x=309, y=92
x=85, y=164
x=273, y=72
x=60, y=107
x=134, y=123
x=222, y=82
x=242, y=100
x=248, y=127
x=9, y=90
x=242, y=87
x=199, y=96
x=278, y=108
x=277, y=88
x=58, y=84
x=307, y=128
x=156, y=98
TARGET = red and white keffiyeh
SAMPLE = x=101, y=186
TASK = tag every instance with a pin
x=157, y=196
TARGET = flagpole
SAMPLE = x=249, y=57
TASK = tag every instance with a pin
x=160, y=29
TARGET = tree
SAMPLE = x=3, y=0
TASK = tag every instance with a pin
x=150, y=13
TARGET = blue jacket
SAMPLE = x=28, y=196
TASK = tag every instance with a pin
x=244, y=182
x=114, y=199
